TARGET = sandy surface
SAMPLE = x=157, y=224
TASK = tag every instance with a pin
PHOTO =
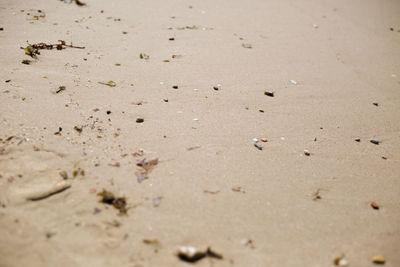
x=269, y=207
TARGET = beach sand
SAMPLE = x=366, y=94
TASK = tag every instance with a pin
x=333, y=68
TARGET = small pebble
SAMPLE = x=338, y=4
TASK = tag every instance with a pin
x=374, y=206
x=258, y=146
x=357, y=140
x=375, y=103
x=293, y=81
x=139, y=120
x=255, y=140
x=267, y=93
x=264, y=139
x=195, y=119
x=172, y=39
x=175, y=86
x=108, y=112
x=379, y=259
x=306, y=152
x=375, y=142
x=165, y=99
x=7, y=81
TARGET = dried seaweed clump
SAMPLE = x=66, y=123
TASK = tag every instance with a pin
x=119, y=203
x=33, y=50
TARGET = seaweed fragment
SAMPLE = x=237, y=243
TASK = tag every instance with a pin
x=108, y=197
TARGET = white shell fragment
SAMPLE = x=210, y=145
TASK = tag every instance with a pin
x=293, y=81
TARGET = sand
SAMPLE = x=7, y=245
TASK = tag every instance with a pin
x=211, y=187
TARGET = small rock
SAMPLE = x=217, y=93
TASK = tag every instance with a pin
x=379, y=259
x=374, y=206
x=306, y=152
x=139, y=120
x=172, y=39
x=375, y=142
x=268, y=93
x=357, y=140
x=263, y=139
x=175, y=87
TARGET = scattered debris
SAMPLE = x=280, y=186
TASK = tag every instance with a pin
x=213, y=192
x=26, y=62
x=192, y=254
x=139, y=120
x=147, y=167
x=379, y=259
x=238, y=189
x=96, y=211
x=258, y=146
x=34, y=14
x=144, y=56
x=217, y=88
x=247, y=45
x=316, y=196
x=63, y=175
x=109, y=83
x=375, y=142
x=58, y=90
x=154, y=243
x=340, y=261
x=193, y=148
x=108, y=198
x=78, y=128
x=78, y=171
x=271, y=94
x=46, y=190
x=374, y=206
x=116, y=164
x=157, y=201
x=78, y=2
x=248, y=243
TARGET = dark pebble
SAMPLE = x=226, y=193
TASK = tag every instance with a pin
x=7, y=81
x=271, y=94
x=216, y=88
x=108, y=112
x=139, y=120
x=1, y=29
x=165, y=100
x=376, y=104
x=172, y=39
x=175, y=86
x=357, y=140
x=375, y=142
